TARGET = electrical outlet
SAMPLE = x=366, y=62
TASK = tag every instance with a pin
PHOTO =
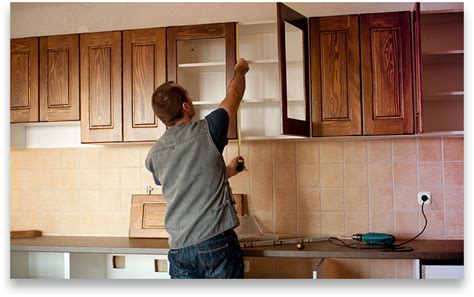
x=420, y=194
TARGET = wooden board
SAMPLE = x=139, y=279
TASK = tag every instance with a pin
x=147, y=215
x=25, y=234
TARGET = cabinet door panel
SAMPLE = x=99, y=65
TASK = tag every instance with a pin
x=59, y=79
x=101, y=92
x=144, y=63
x=335, y=66
x=387, y=74
x=24, y=80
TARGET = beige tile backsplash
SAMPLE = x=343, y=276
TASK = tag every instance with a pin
x=303, y=187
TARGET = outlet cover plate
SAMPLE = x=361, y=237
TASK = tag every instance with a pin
x=420, y=194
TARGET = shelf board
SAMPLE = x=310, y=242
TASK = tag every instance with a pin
x=436, y=57
x=444, y=96
x=202, y=64
x=206, y=103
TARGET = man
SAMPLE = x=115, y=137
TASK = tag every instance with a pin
x=187, y=161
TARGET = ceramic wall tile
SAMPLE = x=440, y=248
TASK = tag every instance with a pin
x=331, y=152
x=453, y=149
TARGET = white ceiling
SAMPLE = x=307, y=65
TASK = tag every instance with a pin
x=40, y=19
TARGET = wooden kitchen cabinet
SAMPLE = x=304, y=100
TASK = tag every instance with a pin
x=24, y=80
x=335, y=72
x=44, y=79
x=387, y=74
x=362, y=87
x=201, y=58
x=144, y=69
x=59, y=78
x=101, y=87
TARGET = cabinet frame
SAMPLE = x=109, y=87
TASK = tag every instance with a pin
x=207, y=31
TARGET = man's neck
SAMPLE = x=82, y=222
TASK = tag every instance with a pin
x=183, y=120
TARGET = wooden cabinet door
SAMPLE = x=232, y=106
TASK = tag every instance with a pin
x=387, y=86
x=101, y=87
x=335, y=72
x=297, y=123
x=144, y=69
x=206, y=31
x=24, y=80
x=59, y=78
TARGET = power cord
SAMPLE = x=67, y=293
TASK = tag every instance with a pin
x=393, y=247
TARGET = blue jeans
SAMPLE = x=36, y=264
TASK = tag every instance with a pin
x=217, y=257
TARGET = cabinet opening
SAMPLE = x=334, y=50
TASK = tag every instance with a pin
x=118, y=262
x=161, y=265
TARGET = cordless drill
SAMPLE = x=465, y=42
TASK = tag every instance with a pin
x=373, y=238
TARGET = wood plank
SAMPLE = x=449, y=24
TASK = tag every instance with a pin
x=25, y=234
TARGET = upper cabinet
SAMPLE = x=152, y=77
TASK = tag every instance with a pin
x=144, y=69
x=44, y=79
x=362, y=87
x=202, y=58
x=101, y=87
x=103, y=116
x=441, y=71
x=24, y=80
x=59, y=78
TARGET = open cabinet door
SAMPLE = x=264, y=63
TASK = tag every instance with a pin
x=292, y=28
x=418, y=67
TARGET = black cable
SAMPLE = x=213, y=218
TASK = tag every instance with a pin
x=392, y=247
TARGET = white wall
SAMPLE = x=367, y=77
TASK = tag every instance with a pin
x=40, y=19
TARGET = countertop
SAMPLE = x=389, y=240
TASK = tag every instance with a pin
x=423, y=249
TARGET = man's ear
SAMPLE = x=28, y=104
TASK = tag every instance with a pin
x=186, y=107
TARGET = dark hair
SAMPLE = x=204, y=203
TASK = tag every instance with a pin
x=167, y=101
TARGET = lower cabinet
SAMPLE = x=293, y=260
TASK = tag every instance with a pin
x=49, y=265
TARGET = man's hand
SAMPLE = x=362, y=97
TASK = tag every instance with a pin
x=232, y=167
x=242, y=67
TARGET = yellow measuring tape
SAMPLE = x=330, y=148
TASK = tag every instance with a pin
x=239, y=144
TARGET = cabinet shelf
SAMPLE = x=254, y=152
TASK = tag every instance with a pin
x=202, y=64
x=267, y=101
x=444, y=95
x=447, y=56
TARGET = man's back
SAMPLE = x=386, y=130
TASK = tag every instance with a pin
x=192, y=172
